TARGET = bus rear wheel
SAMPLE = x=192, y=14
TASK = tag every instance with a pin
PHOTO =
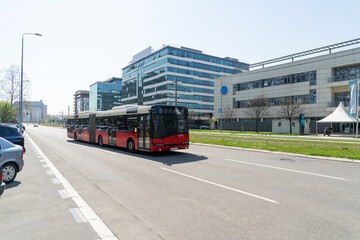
x=100, y=141
x=131, y=145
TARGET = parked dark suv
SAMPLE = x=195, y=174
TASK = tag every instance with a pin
x=12, y=134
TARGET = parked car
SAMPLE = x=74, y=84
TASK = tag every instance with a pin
x=204, y=127
x=12, y=134
x=11, y=160
x=36, y=125
x=2, y=184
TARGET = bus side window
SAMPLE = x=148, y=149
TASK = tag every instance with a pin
x=132, y=122
x=121, y=125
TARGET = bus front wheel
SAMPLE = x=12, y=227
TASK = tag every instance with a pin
x=131, y=145
x=75, y=137
x=100, y=141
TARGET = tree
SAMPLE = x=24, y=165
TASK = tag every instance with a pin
x=191, y=118
x=257, y=109
x=228, y=115
x=290, y=109
x=7, y=112
x=10, y=84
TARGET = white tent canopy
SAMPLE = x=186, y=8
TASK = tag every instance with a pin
x=338, y=116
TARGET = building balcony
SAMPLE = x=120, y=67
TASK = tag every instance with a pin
x=344, y=78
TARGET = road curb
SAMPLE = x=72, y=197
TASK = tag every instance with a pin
x=282, y=153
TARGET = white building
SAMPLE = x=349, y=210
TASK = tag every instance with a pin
x=321, y=82
x=33, y=111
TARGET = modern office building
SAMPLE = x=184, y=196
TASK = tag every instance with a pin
x=33, y=111
x=105, y=95
x=175, y=76
x=81, y=101
x=320, y=82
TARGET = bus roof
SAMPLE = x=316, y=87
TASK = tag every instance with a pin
x=115, y=111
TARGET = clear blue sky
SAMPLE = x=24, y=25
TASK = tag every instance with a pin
x=85, y=41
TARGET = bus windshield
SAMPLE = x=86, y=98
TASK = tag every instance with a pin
x=169, y=121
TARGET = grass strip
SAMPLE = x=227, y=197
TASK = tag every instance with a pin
x=300, y=146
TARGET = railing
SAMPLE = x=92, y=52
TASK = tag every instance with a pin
x=336, y=104
x=306, y=53
x=342, y=78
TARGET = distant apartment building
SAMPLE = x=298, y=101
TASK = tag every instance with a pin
x=105, y=95
x=175, y=76
x=320, y=83
x=81, y=101
x=33, y=111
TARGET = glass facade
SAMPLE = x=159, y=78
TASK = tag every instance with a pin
x=343, y=97
x=276, y=81
x=185, y=54
x=347, y=73
x=105, y=95
x=305, y=99
x=161, y=72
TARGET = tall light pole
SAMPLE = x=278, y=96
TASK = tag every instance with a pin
x=176, y=91
x=21, y=84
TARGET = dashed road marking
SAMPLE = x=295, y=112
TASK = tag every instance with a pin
x=222, y=186
x=77, y=215
x=55, y=181
x=107, y=151
x=63, y=194
x=289, y=170
x=49, y=172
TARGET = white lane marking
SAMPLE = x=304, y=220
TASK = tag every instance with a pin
x=96, y=223
x=222, y=186
x=79, y=218
x=55, y=181
x=63, y=194
x=290, y=170
x=41, y=160
x=45, y=166
x=49, y=172
x=107, y=151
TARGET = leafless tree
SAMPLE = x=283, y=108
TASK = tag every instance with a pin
x=228, y=115
x=257, y=109
x=191, y=118
x=290, y=109
x=10, y=83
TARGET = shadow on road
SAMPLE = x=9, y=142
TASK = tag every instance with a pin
x=167, y=158
x=13, y=184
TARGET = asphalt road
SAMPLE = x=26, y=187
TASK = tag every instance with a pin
x=200, y=193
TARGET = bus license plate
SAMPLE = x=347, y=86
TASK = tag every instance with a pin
x=175, y=148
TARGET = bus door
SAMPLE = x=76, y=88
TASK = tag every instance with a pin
x=144, y=132
x=92, y=127
x=112, y=135
x=81, y=136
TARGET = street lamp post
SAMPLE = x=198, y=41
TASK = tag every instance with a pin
x=21, y=82
x=176, y=91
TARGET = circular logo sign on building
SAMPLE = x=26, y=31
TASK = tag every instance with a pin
x=224, y=90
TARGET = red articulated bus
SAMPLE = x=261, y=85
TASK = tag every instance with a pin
x=147, y=128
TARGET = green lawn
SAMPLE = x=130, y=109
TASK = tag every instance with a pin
x=316, y=147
